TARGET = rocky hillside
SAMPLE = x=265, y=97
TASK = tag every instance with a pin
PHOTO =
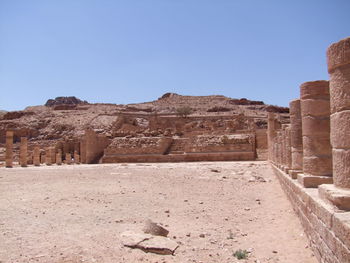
x=70, y=116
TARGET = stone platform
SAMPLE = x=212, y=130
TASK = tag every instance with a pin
x=327, y=228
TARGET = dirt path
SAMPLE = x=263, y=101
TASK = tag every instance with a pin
x=77, y=213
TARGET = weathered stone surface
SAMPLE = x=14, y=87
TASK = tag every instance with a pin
x=68, y=158
x=296, y=139
x=340, y=135
x=155, y=229
x=313, y=181
x=59, y=157
x=76, y=158
x=318, y=89
x=48, y=156
x=317, y=165
x=341, y=167
x=23, y=152
x=328, y=231
x=315, y=112
x=338, y=57
x=337, y=196
x=36, y=156
x=9, y=149
x=148, y=243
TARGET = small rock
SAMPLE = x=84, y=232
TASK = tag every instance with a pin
x=155, y=229
x=215, y=170
x=148, y=243
x=274, y=251
x=202, y=235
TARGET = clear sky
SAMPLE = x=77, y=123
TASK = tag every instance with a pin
x=125, y=51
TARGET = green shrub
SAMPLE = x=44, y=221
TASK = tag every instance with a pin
x=241, y=254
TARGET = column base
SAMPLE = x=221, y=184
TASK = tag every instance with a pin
x=294, y=173
x=309, y=181
x=285, y=169
x=337, y=196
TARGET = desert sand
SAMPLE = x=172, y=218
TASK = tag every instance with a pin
x=77, y=213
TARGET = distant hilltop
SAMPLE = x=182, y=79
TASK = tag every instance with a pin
x=65, y=100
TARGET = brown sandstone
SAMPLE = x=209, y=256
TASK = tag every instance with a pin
x=23, y=152
x=315, y=112
x=9, y=150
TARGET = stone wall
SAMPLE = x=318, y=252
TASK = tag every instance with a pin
x=225, y=143
x=175, y=149
x=94, y=146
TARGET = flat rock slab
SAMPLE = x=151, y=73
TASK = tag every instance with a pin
x=148, y=243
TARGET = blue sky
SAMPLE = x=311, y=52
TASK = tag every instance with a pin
x=136, y=50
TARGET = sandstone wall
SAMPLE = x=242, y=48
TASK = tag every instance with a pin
x=94, y=146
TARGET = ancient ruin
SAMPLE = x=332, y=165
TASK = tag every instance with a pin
x=309, y=148
x=214, y=128
x=322, y=139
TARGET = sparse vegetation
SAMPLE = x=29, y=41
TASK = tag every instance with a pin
x=184, y=111
x=241, y=254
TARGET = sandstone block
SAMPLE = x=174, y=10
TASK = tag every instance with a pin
x=9, y=149
x=36, y=156
x=341, y=167
x=319, y=145
x=294, y=173
x=313, y=181
x=23, y=152
x=337, y=196
x=340, y=135
x=68, y=158
x=48, y=156
x=316, y=107
x=297, y=159
x=317, y=165
x=76, y=158
x=314, y=126
x=338, y=54
x=318, y=89
x=340, y=93
x=59, y=158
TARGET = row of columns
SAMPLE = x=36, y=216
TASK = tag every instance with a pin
x=314, y=147
x=52, y=155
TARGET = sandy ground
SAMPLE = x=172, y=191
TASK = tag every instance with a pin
x=76, y=213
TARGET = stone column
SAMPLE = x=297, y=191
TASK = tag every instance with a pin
x=279, y=149
x=288, y=149
x=76, y=158
x=59, y=157
x=296, y=139
x=68, y=158
x=284, y=146
x=36, y=156
x=271, y=133
x=83, y=150
x=53, y=154
x=23, y=152
x=315, y=114
x=338, y=56
x=9, y=149
x=48, y=156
